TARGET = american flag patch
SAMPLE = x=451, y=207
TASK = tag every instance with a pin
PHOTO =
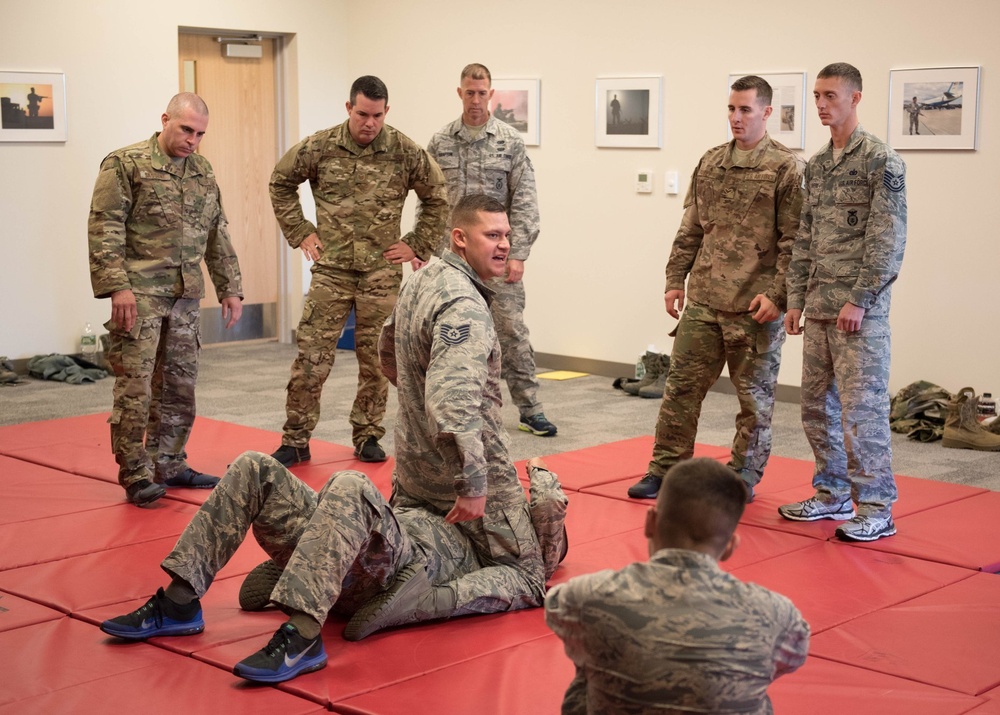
x=453, y=335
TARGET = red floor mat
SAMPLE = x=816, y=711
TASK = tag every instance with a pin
x=833, y=583
x=529, y=678
x=98, y=557
x=16, y=612
x=88, y=532
x=30, y=491
x=50, y=656
x=397, y=655
x=965, y=533
x=590, y=517
x=224, y=621
x=84, y=673
x=613, y=462
x=949, y=638
x=82, y=445
x=823, y=687
x=113, y=576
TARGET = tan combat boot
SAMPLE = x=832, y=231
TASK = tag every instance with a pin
x=961, y=428
x=656, y=387
x=651, y=364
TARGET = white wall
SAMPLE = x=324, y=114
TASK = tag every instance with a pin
x=595, y=278
x=120, y=59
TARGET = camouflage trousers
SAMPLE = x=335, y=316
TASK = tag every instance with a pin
x=331, y=296
x=706, y=340
x=517, y=364
x=845, y=410
x=155, y=367
x=341, y=547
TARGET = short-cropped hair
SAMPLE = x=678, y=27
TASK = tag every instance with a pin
x=849, y=73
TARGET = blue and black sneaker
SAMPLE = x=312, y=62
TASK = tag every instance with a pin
x=537, y=425
x=286, y=656
x=158, y=617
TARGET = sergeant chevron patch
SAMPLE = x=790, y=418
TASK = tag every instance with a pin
x=452, y=335
x=894, y=182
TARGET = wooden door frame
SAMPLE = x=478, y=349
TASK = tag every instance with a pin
x=289, y=279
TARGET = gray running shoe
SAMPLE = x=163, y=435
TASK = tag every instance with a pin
x=815, y=508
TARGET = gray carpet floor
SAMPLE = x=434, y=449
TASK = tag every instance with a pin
x=244, y=383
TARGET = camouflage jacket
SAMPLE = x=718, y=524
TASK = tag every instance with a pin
x=853, y=230
x=440, y=349
x=494, y=163
x=738, y=228
x=152, y=221
x=359, y=194
x=674, y=633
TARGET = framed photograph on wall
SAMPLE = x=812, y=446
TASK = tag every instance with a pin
x=786, y=123
x=628, y=112
x=934, y=108
x=515, y=101
x=32, y=107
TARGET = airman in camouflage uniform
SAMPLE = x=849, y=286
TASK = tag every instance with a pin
x=360, y=173
x=440, y=349
x=735, y=241
x=847, y=255
x=481, y=155
x=155, y=214
x=678, y=634
x=459, y=536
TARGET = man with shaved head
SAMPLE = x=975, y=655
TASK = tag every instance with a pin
x=155, y=214
x=677, y=633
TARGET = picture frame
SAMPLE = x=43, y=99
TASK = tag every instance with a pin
x=628, y=112
x=787, y=121
x=946, y=113
x=32, y=106
x=516, y=102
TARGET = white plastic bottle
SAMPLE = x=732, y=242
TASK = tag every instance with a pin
x=88, y=342
x=987, y=407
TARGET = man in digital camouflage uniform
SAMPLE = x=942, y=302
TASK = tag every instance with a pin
x=733, y=247
x=155, y=214
x=913, y=109
x=458, y=536
x=847, y=255
x=677, y=633
x=480, y=154
x=360, y=173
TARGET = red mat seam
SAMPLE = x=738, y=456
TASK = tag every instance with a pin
x=423, y=673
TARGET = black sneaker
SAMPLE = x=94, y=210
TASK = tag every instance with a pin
x=370, y=451
x=286, y=656
x=158, y=617
x=646, y=488
x=144, y=492
x=537, y=425
x=288, y=455
x=191, y=479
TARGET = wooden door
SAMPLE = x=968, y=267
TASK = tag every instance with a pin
x=242, y=144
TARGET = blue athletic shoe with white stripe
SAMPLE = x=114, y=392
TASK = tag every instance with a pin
x=158, y=617
x=286, y=656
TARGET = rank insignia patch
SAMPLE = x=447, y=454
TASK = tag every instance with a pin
x=452, y=335
x=894, y=182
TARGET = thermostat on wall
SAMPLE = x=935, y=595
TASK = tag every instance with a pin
x=644, y=181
